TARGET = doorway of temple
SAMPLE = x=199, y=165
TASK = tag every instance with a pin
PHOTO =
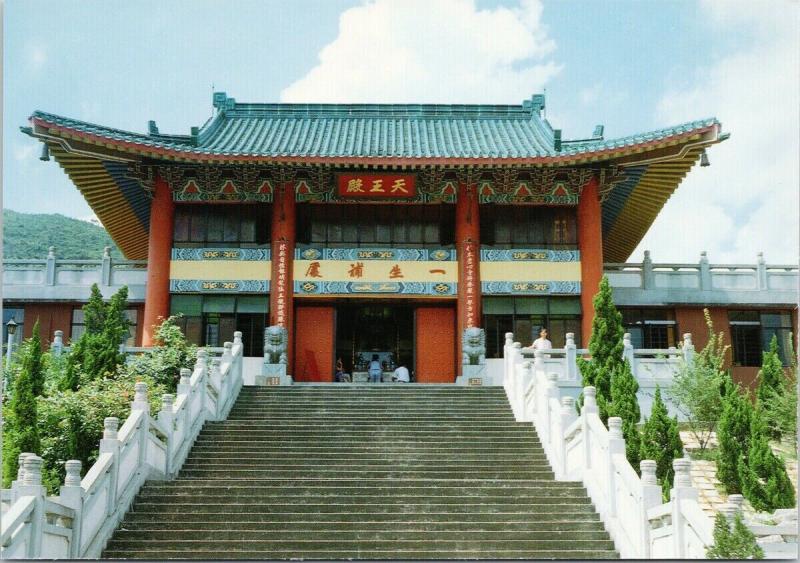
x=381, y=331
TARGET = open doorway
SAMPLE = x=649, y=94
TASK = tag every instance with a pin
x=382, y=329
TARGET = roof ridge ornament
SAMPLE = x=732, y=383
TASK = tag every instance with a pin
x=222, y=102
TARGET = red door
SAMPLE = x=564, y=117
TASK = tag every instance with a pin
x=436, y=344
x=313, y=344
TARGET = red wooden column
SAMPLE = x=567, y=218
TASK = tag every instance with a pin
x=281, y=293
x=590, y=244
x=468, y=244
x=159, y=250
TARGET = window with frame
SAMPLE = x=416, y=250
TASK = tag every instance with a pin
x=507, y=226
x=526, y=316
x=364, y=225
x=650, y=328
x=235, y=225
x=752, y=332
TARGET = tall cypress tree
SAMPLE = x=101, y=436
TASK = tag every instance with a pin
x=765, y=482
x=733, y=435
x=94, y=312
x=661, y=442
x=771, y=388
x=32, y=361
x=23, y=429
x=625, y=405
x=605, y=347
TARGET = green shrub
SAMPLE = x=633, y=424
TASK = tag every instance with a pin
x=697, y=388
x=661, y=442
x=733, y=435
x=776, y=394
x=738, y=543
x=765, y=482
x=171, y=353
x=625, y=405
x=605, y=347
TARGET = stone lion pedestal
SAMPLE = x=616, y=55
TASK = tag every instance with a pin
x=273, y=370
x=473, y=358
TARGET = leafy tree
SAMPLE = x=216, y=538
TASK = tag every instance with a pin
x=736, y=543
x=661, y=442
x=625, y=405
x=733, y=435
x=765, y=482
x=697, y=388
x=605, y=347
x=171, y=353
x=22, y=433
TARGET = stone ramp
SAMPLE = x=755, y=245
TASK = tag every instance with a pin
x=364, y=472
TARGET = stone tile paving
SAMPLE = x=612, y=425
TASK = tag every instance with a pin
x=711, y=495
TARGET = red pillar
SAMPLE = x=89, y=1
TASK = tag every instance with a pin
x=281, y=294
x=590, y=244
x=159, y=249
x=468, y=245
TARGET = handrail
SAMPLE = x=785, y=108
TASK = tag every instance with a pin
x=580, y=447
x=86, y=512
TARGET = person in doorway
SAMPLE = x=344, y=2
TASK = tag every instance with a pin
x=401, y=374
x=340, y=376
x=375, y=370
x=542, y=343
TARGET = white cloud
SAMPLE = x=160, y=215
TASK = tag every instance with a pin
x=747, y=201
x=446, y=51
x=24, y=152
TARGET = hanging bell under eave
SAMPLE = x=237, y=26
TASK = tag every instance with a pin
x=45, y=152
x=704, y=159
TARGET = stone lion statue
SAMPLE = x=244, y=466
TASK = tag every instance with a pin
x=473, y=346
x=275, y=343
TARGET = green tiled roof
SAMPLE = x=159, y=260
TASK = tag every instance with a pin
x=371, y=131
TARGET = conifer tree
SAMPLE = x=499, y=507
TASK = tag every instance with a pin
x=736, y=543
x=605, y=347
x=94, y=312
x=765, y=482
x=625, y=405
x=733, y=435
x=661, y=442
x=23, y=429
x=32, y=361
x=771, y=387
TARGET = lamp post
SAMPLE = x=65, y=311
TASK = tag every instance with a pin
x=11, y=327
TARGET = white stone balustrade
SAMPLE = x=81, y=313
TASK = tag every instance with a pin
x=580, y=448
x=80, y=520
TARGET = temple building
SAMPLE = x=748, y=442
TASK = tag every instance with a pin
x=380, y=229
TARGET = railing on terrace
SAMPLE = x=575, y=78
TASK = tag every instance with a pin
x=51, y=274
x=702, y=276
x=580, y=448
x=79, y=521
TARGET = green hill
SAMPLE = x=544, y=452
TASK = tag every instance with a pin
x=29, y=235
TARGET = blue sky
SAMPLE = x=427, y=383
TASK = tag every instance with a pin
x=630, y=65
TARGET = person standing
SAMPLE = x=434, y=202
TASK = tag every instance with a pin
x=542, y=343
x=375, y=370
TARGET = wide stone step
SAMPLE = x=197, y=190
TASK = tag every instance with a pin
x=220, y=517
x=442, y=486
x=363, y=535
x=240, y=445
x=299, y=471
x=314, y=527
x=325, y=419
x=419, y=494
x=354, y=552
x=246, y=464
x=253, y=457
x=362, y=508
x=230, y=547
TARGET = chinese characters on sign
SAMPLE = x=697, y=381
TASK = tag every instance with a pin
x=281, y=284
x=232, y=285
x=221, y=255
x=367, y=186
x=313, y=270
x=470, y=285
x=356, y=270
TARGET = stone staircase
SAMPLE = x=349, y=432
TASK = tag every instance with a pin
x=364, y=472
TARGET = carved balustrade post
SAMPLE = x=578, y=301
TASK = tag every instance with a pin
x=110, y=444
x=31, y=486
x=551, y=414
x=705, y=272
x=688, y=349
x=648, y=276
x=651, y=497
x=571, y=357
x=50, y=266
x=616, y=445
x=166, y=417
x=682, y=490
x=567, y=416
x=761, y=272
x=105, y=269
x=589, y=409
x=57, y=347
x=71, y=495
